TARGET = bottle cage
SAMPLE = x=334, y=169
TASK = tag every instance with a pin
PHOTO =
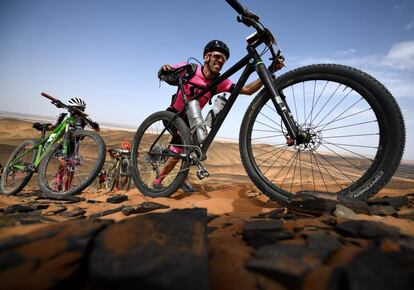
x=171, y=77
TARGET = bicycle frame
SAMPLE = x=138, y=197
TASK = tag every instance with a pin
x=252, y=62
x=46, y=143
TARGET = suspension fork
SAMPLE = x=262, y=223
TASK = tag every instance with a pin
x=280, y=105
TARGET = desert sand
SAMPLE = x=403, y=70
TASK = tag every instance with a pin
x=228, y=193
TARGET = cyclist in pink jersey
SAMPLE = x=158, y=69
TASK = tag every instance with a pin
x=216, y=53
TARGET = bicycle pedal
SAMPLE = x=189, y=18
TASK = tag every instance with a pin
x=202, y=173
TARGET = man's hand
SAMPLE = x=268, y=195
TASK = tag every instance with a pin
x=277, y=64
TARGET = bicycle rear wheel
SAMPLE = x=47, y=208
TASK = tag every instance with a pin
x=19, y=168
x=149, y=156
x=354, y=139
x=72, y=172
x=125, y=175
x=111, y=178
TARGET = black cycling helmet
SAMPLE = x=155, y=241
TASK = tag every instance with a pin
x=77, y=102
x=217, y=45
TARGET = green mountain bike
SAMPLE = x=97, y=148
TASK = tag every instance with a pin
x=67, y=160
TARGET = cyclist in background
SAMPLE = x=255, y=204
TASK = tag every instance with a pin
x=101, y=178
x=80, y=125
x=215, y=54
x=126, y=149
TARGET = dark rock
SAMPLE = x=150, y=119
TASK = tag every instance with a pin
x=356, y=205
x=211, y=229
x=374, y=269
x=93, y=201
x=308, y=203
x=33, y=217
x=143, y=208
x=322, y=245
x=287, y=264
x=49, y=257
x=117, y=198
x=55, y=209
x=64, y=197
x=153, y=251
x=17, y=208
x=406, y=214
x=366, y=229
x=382, y=210
x=211, y=217
x=396, y=202
x=262, y=232
x=107, y=212
x=39, y=206
x=75, y=213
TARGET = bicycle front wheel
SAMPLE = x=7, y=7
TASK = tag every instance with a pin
x=72, y=171
x=353, y=140
x=19, y=168
x=155, y=173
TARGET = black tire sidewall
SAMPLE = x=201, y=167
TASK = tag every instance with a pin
x=186, y=139
x=93, y=174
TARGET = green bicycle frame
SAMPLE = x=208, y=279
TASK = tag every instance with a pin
x=46, y=143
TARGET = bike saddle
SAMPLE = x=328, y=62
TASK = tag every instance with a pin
x=41, y=127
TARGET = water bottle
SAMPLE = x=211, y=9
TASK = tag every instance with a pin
x=197, y=124
x=218, y=105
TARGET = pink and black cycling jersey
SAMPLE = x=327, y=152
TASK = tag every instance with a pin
x=195, y=85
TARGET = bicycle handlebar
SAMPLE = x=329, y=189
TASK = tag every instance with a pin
x=71, y=109
x=237, y=6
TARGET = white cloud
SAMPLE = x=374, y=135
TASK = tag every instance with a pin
x=347, y=52
x=410, y=25
x=401, y=55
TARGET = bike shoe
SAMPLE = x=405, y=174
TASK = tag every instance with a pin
x=187, y=187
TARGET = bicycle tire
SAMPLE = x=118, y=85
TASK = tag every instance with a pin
x=25, y=179
x=140, y=150
x=381, y=105
x=127, y=168
x=110, y=178
x=82, y=159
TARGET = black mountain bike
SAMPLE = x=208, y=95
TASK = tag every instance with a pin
x=322, y=128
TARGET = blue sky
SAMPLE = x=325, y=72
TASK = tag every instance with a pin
x=108, y=52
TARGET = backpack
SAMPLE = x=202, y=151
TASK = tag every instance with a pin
x=171, y=76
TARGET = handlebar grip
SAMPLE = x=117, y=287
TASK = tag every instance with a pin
x=237, y=6
x=48, y=96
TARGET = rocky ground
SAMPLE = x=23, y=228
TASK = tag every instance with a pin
x=227, y=235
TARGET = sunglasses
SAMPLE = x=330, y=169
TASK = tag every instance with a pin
x=217, y=56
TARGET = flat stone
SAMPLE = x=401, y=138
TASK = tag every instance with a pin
x=406, y=214
x=382, y=210
x=75, y=213
x=343, y=212
x=143, y=208
x=55, y=209
x=396, y=201
x=107, y=212
x=117, y=198
x=322, y=245
x=51, y=257
x=286, y=263
x=258, y=233
x=62, y=197
x=153, y=251
x=307, y=203
x=17, y=208
x=375, y=269
x=367, y=229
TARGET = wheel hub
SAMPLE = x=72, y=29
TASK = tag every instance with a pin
x=309, y=138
